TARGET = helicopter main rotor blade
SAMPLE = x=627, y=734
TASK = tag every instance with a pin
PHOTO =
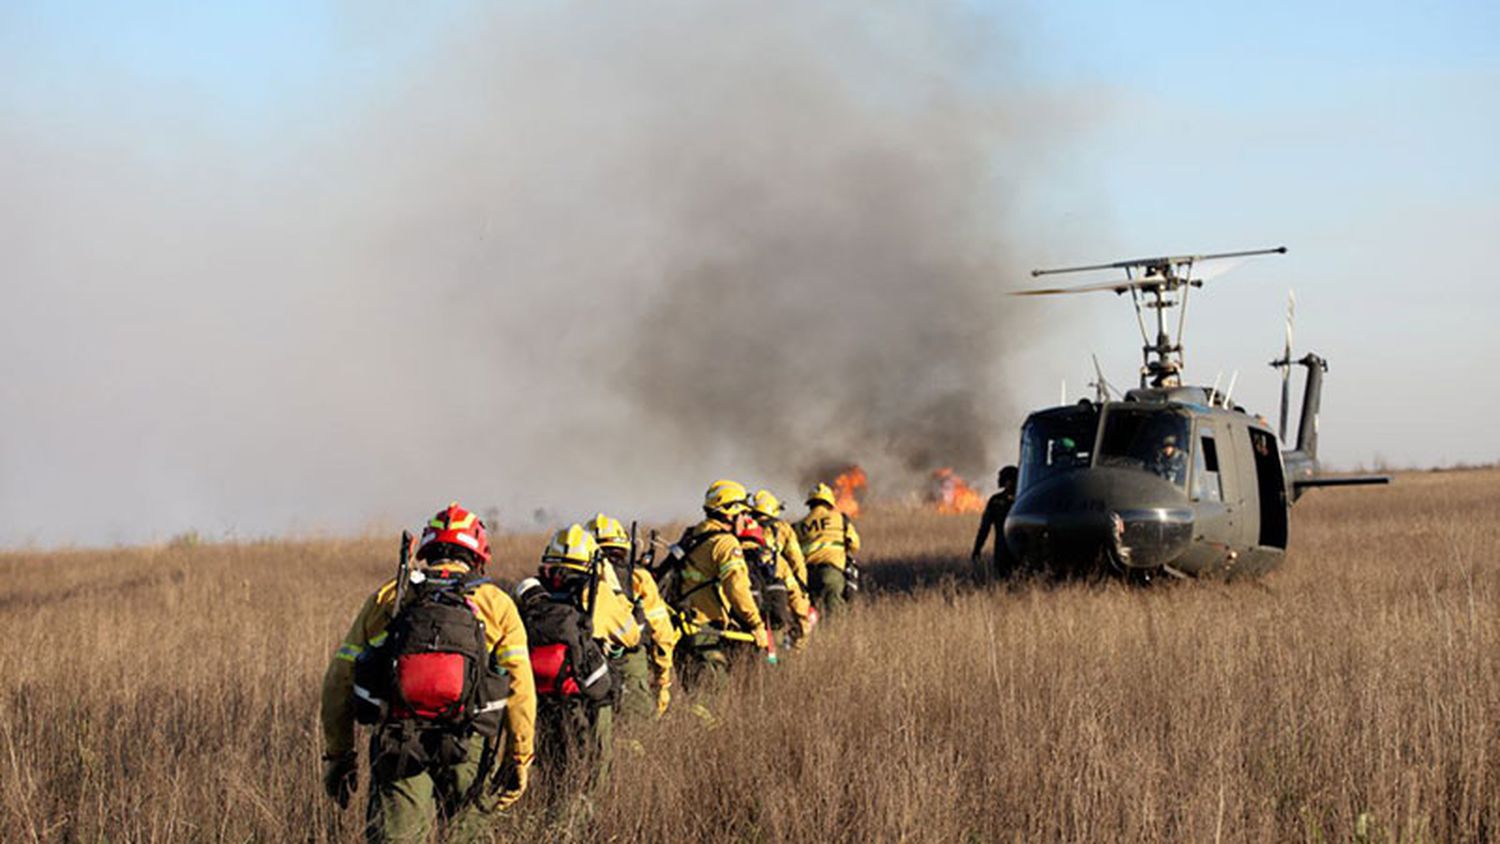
x=1151, y=283
x=1115, y=286
x=1162, y=261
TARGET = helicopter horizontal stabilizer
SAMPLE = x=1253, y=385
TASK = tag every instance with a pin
x=1341, y=480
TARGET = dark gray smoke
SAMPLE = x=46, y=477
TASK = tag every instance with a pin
x=830, y=291
x=853, y=315
x=586, y=256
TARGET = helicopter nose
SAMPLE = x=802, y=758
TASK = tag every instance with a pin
x=1135, y=538
x=1103, y=515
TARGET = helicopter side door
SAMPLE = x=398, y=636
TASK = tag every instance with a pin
x=1271, y=480
x=1214, y=517
x=1241, y=498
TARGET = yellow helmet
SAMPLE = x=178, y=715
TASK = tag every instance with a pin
x=728, y=497
x=822, y=493
x=572, y=547
x=765, y=503
x=609, y=532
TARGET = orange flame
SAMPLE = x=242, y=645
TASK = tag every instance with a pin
x=952, y=494
x=845, y=487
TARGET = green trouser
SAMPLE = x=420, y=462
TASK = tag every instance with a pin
x=573, y=737
x=637, y=700
x=703, y=659
x=826, y=582
x=404, y=810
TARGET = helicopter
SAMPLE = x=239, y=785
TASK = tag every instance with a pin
x=1168, y=478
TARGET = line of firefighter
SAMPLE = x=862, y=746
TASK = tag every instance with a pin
x=460, y=681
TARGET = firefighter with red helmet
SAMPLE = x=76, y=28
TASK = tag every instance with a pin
x=445, y=683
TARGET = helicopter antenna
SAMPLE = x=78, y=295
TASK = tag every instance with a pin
x=1155, y=284
x=1230, y=392
x=1062, y=396
x=1213, y=395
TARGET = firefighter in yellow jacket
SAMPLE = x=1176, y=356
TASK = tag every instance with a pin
x=654, y=655
x=574, y=571
x=421, y=771
x=781, y=539
x=712, y=594
x=829, y=543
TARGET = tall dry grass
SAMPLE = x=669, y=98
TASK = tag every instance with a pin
x=171, y=694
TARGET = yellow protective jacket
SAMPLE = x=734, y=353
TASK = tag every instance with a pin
x=796, y=597
x=659, y=618
x=791, y=567
x=503, y=632
x=828, y=537
x=716, y=581
x=614, y=617
x=783, y=539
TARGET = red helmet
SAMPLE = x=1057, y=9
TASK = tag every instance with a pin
x=747, y=528
x=454, y=525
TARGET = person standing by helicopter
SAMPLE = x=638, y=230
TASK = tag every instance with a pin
x=1002, y=564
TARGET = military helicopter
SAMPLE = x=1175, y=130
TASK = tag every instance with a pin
x=1168, y=478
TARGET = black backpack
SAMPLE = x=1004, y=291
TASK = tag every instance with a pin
x=433, y=669
x=566, y=662
x=669, y=573
x=768, y=590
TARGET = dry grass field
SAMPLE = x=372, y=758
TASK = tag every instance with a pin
x=171, y=694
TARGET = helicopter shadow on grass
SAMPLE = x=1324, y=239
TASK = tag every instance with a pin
x=908, y=575
x=951, y=575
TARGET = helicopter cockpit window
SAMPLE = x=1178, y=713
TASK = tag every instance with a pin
x=1057, y=442
x=1154, y=440
x=1206, y=483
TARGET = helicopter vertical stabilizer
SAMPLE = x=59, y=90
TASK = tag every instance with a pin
x=1312, y=402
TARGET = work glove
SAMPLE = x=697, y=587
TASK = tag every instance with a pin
x=340, y=776
x=762, y=638
x=663, y=698
x=514, y=786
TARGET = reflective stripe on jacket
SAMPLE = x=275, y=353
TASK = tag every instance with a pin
x=717, y=582
x=823, y=533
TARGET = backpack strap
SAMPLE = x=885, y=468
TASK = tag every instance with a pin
x=694, y=542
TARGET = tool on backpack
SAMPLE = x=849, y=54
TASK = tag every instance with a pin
x=403, y=570
x=629, y=584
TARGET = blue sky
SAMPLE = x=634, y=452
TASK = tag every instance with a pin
x=1361, y=136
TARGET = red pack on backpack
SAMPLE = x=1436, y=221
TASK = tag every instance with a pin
x=434, y=666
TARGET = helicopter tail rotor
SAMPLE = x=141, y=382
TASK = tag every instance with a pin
x=1286, y=361
x=1103, y=390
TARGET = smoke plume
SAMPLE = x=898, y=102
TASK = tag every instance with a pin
x=587, y=256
